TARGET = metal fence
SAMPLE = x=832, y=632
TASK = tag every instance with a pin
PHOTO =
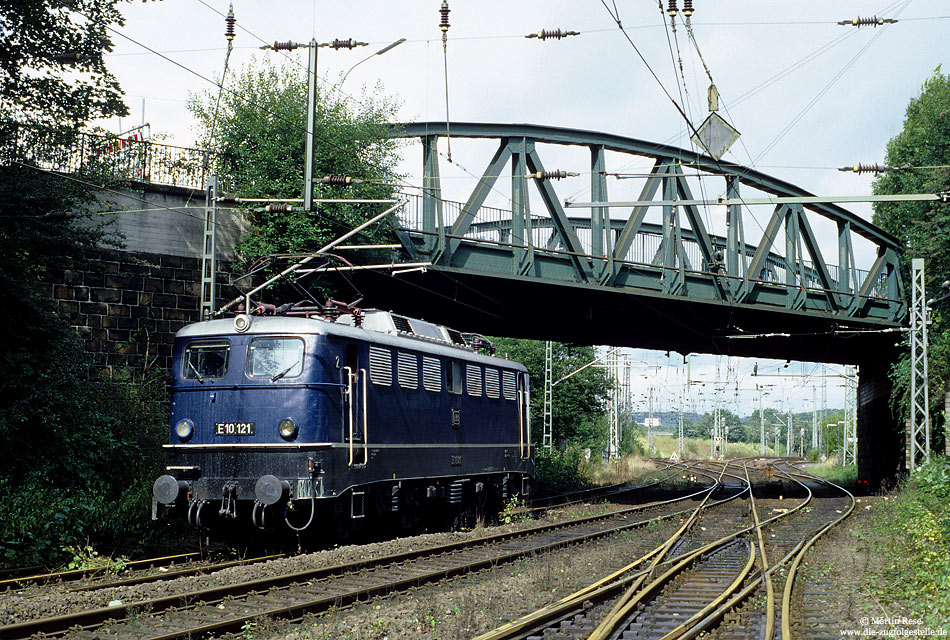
x=106, y=157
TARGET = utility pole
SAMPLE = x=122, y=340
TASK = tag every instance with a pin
x=313, y=46
x=824, y=410
x=761, y=426
x=209, y=262
x=814, y=419
x=790, y=437
x=311, y=125
x=547, y=431
x=650, y=446
x=680, y=448
x=850, y=417
x=209, y=249
x=613, y=444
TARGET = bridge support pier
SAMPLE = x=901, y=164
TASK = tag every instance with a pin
x=880, y=436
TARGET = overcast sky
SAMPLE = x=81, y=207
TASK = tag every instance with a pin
x=807, y=94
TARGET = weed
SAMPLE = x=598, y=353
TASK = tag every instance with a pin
x=513, y=511
x=910, y=532
x=428, y=612
x=85, y=557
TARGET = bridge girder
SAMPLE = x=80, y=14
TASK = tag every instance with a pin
x=675, y=268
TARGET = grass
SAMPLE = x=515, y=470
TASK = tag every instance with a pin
x=623, y=470
x=699, y=448
x=831, y=470
x=910, y=531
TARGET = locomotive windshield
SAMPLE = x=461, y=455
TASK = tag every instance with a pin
x=275, y=358
x=206, y=360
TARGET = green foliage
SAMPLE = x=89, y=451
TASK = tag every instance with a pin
x=85, y=557
x=513, y=511
x=80, y=445
x=82, y=456
x=80, y=448
x=37, y=85
x=912, y=533
x=845, y=476
x=579, y=402
x=559, y=471
x=261, y=129
x=923, y=227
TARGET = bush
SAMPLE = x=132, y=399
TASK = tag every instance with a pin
x=912, y=533
x=79, y=449
x=86, y=474
x=560, y=471
x=932, y=481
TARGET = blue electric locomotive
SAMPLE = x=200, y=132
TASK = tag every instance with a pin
x=287, y=420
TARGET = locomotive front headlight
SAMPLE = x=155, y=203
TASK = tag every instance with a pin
x=287, y=428
x=185, y=428
x=242, y=323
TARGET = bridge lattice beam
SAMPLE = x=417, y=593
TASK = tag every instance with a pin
x=680, y=260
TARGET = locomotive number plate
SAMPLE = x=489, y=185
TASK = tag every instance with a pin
x=234, y=428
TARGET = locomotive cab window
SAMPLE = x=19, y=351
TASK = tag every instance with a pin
x=275, y=358
x=453, y=377
x=206, y=360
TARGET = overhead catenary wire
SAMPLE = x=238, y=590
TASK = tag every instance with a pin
x=205, y=78
x=788, y=127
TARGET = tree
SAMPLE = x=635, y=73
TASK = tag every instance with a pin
x=579, y=402
x=52, y=70
x=923, y=147
x=80, y=449
x=260, y=129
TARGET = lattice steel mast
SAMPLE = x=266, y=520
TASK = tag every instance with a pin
x=547, y=433
x=919, y=444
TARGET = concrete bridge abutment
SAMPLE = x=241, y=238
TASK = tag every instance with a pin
x=880, y=446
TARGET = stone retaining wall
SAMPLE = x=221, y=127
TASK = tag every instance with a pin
x=128, y=306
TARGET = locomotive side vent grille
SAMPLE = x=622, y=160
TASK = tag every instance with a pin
x=473, y=379
x=408, y=369
x=431, y=373
x=508, y=384
x=381, y=366
x=492, y=389
x=402, y=324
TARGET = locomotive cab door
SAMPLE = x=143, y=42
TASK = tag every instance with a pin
x=354, y=407
x=524, y=416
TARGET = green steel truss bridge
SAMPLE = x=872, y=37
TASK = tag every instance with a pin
x=620, y=278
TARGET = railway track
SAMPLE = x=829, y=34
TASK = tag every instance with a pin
x=227, y=608
x=731, y=574
x=723, y=572
x=143, y=572
x=27, y=579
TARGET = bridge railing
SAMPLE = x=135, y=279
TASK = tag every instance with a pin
x=106, y=157
x=492, y=225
